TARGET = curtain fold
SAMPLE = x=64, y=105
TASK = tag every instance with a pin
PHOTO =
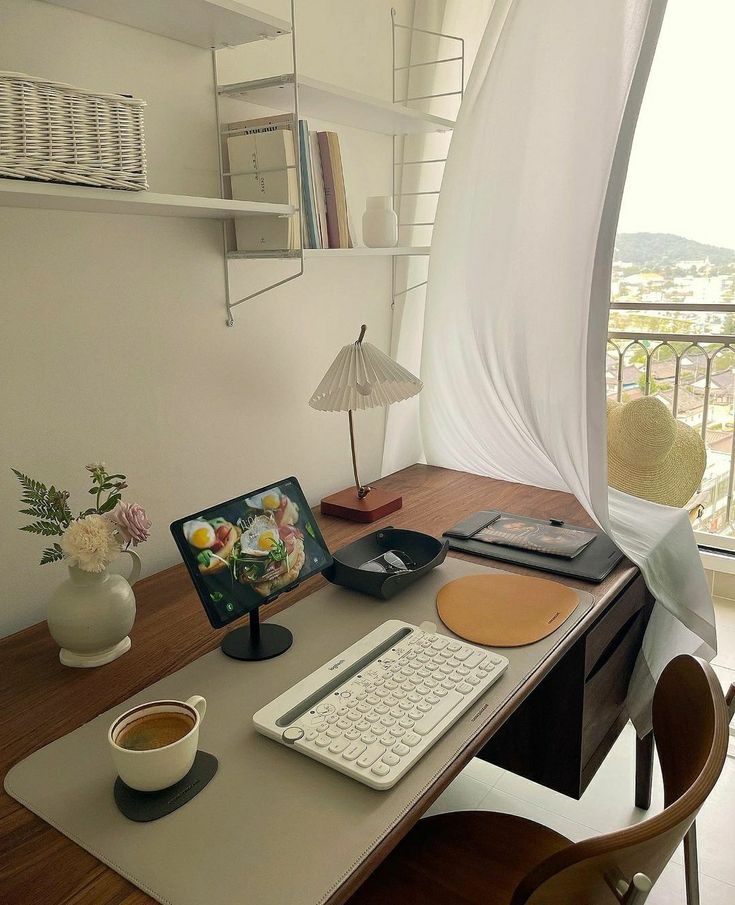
x=515, y=322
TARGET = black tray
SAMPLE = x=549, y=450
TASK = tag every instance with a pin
x=426, y=551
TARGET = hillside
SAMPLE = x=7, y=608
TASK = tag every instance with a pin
x=655, y=249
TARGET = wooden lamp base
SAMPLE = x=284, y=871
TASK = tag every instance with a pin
x=347, y=504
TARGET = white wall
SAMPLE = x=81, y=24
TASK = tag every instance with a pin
x=114, y=344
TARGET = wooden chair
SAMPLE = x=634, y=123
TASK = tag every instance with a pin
x=691, y=859
x=484, y=858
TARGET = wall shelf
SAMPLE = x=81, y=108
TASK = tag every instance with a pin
x=338, y=105
x=361, y=252
x=203, y=23
x=47, y=196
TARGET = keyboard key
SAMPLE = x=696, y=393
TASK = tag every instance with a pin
x=380, y=769
x=363, y=707
x=473, y=680
x=370, y=755
x=382, y=693
x=423, y=706
x=462, y=653
x=325, y=708
x=430, y=720
x=495, y=659
x=474, y=659
x=362, y=726
x=406, y=722
x=322, y=741
x=391, y=758
x=372, y=699
x=382, y=709
x=396, y=712
x=310, y=735
x=351, y=734
x=372, y=717
x=343, y=710
x=453, y=662
x=397, y=731
x=333, y=732
x=462, y=670
x=454, y=646
x=332, y=719
x=430, y=683
x=448, y=684
x=411, y=739
x=464, y=687
x=439, y=643
x=354, y=751
x=354, y=715
x=338, y=746
x=405, y=705
x=391, y=701
x=400, y=749
x=387, y=721
x=432, y=699
x=414, y=697
x=344, y=723
x=440, y=692
x=415, y=714
x=368, y=738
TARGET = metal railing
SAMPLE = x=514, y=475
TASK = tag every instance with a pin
x=694, y=375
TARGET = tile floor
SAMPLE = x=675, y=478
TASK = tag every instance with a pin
x=608, y=802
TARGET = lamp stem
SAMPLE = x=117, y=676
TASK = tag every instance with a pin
x=362, y=492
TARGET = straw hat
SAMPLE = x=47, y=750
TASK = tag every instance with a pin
x=652, y=455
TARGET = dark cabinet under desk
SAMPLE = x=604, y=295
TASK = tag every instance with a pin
x=562, y=732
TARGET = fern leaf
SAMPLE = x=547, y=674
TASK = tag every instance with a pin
x=47, y=529
x=52, y=554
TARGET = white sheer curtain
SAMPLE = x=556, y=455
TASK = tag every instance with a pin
x=516, y=311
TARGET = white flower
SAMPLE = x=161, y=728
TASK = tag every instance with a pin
x=90, y=543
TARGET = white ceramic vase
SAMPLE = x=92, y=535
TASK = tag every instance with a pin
x=380, y=223
x=91, y=613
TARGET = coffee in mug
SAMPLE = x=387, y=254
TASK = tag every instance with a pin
x=154, y=745
x=155, y=730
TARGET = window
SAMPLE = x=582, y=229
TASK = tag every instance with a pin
x=672, y=319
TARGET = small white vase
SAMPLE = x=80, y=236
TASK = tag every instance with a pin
x=90, y=614
x=380, y=223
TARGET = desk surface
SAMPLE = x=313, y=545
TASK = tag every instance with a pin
x=41, y=700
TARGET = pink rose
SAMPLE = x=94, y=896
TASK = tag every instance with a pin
x=132, y=522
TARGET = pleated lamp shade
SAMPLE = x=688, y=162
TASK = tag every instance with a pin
x=362, y=377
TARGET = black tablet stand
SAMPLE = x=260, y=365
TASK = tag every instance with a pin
x=257, y=642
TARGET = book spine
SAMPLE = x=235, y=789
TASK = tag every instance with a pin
x=329, y=197
x=339, y=190
x=307, y=188
x=321, y=207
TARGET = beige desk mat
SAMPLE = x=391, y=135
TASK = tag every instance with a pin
x=273, y=827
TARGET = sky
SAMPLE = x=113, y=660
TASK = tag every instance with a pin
x=681, y=177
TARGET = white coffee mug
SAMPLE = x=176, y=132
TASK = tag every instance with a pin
x=153, y=769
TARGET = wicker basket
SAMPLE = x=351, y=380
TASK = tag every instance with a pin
x=54, y=132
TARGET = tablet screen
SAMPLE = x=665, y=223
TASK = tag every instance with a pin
x=248, y=550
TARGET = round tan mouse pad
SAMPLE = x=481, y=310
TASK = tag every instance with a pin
x=504, y=610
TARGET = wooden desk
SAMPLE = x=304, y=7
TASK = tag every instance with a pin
x=572, y=704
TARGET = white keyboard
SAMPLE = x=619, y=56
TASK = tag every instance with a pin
x=372, y=711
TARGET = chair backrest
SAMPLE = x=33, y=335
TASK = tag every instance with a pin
x=690, y=724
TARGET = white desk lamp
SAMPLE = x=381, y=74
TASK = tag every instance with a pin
x=362, y=377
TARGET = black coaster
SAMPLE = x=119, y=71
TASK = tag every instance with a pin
x=146, y=806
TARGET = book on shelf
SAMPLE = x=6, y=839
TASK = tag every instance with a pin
x=334, y=190
x=319, y=196
x=261, y=162
x=310, y=229
x=262, y=166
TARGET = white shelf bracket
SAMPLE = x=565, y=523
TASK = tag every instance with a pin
x=230, y=304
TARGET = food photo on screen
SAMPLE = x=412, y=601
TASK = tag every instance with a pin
x=248, y=549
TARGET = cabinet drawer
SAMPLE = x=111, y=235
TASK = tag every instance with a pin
x=602, y=635
x=606, y=686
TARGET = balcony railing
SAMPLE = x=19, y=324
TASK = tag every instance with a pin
x=694, y=375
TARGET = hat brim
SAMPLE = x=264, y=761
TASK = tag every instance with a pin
x=673, y=480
